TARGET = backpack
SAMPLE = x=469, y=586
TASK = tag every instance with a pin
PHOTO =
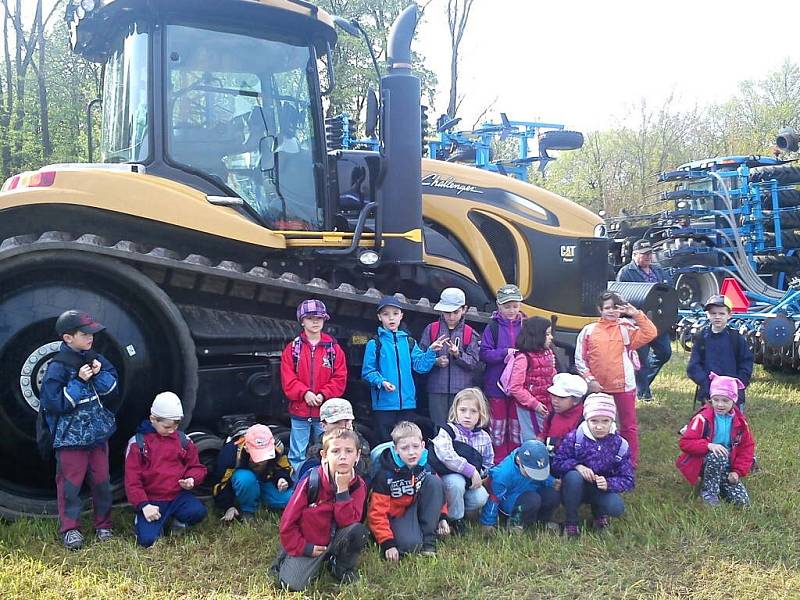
x=467, y=332
x=312, y=491
x=464, y=450
x=44, y=437
x=377, y=340
x=504, y=381
x=329, y=347
x=139, y=440
x=621, y=451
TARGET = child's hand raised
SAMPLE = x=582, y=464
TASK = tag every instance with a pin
x=586, y=473
x=718, y=450
x=85, y=372
x=343, y=480
x=388, y=386
x=439, y=343
x=392, y=554
x=601, y=483
x=96, y=366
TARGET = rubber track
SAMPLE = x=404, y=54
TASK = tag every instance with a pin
x=226, y=277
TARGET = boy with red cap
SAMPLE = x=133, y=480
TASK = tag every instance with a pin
x=162, y=466
x=313, y=369
x=251, y=470
x=719, y=445
x=594, y=463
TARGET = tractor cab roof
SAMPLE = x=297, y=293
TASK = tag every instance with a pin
x=94, y=23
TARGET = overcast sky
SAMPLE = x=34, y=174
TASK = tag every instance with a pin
x=584, y=63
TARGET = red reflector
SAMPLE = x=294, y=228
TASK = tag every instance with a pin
x=42, y=179
x=11, y=183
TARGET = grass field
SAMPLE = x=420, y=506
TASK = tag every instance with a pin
x=666, y=545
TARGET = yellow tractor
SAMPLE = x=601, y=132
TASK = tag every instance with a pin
x=216, y=208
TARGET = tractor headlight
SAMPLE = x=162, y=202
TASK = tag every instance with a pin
x=600, y=230
x=368, y=258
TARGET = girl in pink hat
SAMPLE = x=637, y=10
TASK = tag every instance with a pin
x=718, y=445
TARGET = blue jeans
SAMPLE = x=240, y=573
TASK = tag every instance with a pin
x=652, y=356
x=185, y=508
x=459, y=498
x=304, y=432
x=250, y=492
x=575, y=490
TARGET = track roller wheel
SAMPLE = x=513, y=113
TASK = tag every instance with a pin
x=146, y=339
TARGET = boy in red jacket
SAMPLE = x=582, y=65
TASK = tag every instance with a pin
x=718, y=444
x=566, y=396
x=322, y=522
x=313, y=369
x=161, y=467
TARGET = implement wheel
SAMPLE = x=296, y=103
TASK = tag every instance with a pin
x=146, y=339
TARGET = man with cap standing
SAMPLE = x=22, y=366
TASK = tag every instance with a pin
x=75, y=384
x=457, y=360
x=657, y=353
x=162, y=466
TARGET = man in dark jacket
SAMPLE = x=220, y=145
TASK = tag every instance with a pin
x=641, y=270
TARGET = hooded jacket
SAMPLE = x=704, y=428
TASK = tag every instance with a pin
x=152, y=475
x=493, y=351
x=601, y=456
x=304, y=526
x=457, y=375
x=506, y=484
x=395, y=365
x=394, y=489
x=698, y=435
x=314, y=374
x=600, y=352
x=234, y=456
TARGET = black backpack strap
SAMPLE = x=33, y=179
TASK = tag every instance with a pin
x=139, y=439
x=312, y=491
x=494, y=327
x=184, y=439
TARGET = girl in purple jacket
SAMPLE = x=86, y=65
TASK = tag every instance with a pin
x=594, y=463
x=499, y=339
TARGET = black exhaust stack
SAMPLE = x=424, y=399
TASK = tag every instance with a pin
x=400, y=191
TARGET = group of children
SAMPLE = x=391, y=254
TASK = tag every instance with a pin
x=548, y=442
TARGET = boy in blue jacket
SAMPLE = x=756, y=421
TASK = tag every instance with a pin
x=389, y=359
x=522, y=488
x=76, y=381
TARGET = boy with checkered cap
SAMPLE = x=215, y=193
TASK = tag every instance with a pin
x=313, y=369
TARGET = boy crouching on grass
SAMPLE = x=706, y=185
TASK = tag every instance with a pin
x=407, y=497
x=162, y=466
x=321, y=523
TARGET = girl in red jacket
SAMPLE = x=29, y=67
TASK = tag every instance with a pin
x=718, y=445
x=313, y=369
x=322, y=522
x=532, y=373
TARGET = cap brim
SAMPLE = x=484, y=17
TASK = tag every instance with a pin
x=447, y=307
x=556, y=391
x=260, y=455
x=511, y=299
x=91, y=328
x=337, y=418
x=536, y=474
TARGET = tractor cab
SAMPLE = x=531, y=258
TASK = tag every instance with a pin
x=222, y=96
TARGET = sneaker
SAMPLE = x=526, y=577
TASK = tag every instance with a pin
x=645, y=398
x=73, y=539
x=571, y=530
x=600, y=523
x=710, y=499
x=178, y=527
x=428, y=550
x=104, y=535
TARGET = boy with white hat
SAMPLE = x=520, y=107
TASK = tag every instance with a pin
x=162, y=466
x=458, y=358
x=566, y=396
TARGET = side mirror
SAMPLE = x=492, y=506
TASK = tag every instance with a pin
x=266, y=151
x=371, y=122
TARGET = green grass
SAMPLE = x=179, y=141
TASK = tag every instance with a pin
x=665, y=546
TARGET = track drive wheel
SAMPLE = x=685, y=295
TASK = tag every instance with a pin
x=146, y=339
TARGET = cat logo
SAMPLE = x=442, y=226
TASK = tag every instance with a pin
x=567, y=254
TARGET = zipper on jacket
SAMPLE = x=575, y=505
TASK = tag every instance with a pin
x=399, y=375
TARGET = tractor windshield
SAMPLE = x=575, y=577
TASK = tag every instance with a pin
x=238, y=110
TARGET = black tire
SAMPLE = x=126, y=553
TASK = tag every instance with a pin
x=784, y=174
x=695, y=288
x=775, y=263
x=789, y=239
x=208, y=447
x=147, y=340
x=789, y=220
x=561, y=140
x=786, y=199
